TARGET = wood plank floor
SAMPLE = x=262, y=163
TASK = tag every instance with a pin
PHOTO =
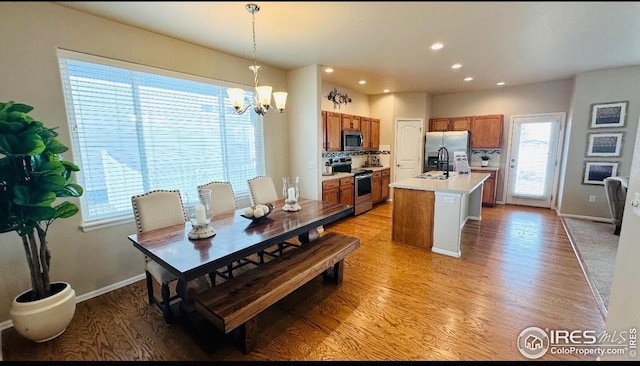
x=397, y=302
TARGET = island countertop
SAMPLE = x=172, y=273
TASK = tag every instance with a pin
x=457, y=183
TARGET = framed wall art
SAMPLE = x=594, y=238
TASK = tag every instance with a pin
x=596, y=171
x=608, y=114
x=605, y=144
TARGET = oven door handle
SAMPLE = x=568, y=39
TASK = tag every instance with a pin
x=364, y=176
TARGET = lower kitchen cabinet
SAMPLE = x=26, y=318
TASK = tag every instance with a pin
x=489, y=188
x=380, y=185
x=338, y=190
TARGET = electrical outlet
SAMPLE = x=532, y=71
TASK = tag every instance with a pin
x=592, y=198
x=311, y=164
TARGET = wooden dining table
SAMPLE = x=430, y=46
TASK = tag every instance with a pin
x=236, y=237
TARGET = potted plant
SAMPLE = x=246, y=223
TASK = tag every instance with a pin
x=33, y=175
x=484, y=160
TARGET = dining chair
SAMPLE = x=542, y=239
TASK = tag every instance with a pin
x=223, y=200
x=154, y=210
x=263, y=191
x=222, y=197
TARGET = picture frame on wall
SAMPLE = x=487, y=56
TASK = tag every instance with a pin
x=596, y=171
x=608, y=114
x=605, y=144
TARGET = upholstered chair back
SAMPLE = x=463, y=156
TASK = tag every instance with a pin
x=262, y=189
x=158, y=208
x=222, y=197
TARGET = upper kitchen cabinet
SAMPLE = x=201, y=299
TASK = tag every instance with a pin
x=460, y=123
x=486, y=131
x=331, y=131
x=439, y=124
x=370, y=128
x=350, y=122
x=450, y=124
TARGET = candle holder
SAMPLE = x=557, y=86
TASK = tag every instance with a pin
x=200, y=216
x=291, y=193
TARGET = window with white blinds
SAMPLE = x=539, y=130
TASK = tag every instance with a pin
x=136, y=128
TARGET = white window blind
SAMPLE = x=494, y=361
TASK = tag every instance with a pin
x=136, y=128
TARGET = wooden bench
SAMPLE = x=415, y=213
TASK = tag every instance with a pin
x=233, y=305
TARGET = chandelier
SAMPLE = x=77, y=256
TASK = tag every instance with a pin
x=262, y=101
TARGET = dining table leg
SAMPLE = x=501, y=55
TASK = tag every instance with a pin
x=187, y=290
x=310, y=235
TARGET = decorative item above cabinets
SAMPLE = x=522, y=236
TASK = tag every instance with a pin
x=338, y=98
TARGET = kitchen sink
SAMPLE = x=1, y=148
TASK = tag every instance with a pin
x=435, y=175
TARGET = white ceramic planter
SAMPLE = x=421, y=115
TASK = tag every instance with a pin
x=484, y=162
x=45, y=319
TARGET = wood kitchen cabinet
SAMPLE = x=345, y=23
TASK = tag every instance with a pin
x=386, y=179
x=486, y=131
x=450, y=124
x=331, y=131
x=439, y=124
x=376, y=187
x=338, y=190
x=370, y=128
x=380, y=185
x=331, y=191
x=350, y=122
x=347, y=189
x=375, y=134
x=489, y=187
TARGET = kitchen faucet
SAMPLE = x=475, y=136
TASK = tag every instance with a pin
x=443, y=160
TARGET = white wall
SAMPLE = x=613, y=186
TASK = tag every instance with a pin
x=624, y=301
x=602, y=86
x=305, y=130
x=30, y=32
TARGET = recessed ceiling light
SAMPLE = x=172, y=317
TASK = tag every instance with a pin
x=468, y=78
x=328, y=70
x=362, y=82
x=436, y=46
x=386, y=91
x=501, y=83
x=456, y=66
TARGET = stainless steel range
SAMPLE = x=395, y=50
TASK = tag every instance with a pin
x=362, y=192
x=363, y=181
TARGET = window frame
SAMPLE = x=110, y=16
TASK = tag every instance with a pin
x=89, y=224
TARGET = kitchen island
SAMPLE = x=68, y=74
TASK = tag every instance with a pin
x=429, y=212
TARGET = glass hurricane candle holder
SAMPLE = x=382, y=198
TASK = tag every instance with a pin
x=291, y=193
x=200, y=215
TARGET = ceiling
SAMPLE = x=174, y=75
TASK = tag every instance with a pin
x=388, y=43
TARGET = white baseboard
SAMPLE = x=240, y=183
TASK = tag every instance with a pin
x=592, y=218
x=89, y=295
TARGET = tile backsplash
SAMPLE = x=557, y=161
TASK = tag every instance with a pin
x=359, y=158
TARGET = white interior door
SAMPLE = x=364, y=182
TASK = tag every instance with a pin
x=408, y=149
x=533, y=161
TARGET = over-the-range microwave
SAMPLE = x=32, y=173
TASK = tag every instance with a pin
x=352, y=140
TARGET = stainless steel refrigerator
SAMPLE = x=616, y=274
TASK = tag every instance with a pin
x=452, y=140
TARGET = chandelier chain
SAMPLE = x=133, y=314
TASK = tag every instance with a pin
x=255, y=59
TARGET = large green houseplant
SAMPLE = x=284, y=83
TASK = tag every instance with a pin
x=33, y=175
